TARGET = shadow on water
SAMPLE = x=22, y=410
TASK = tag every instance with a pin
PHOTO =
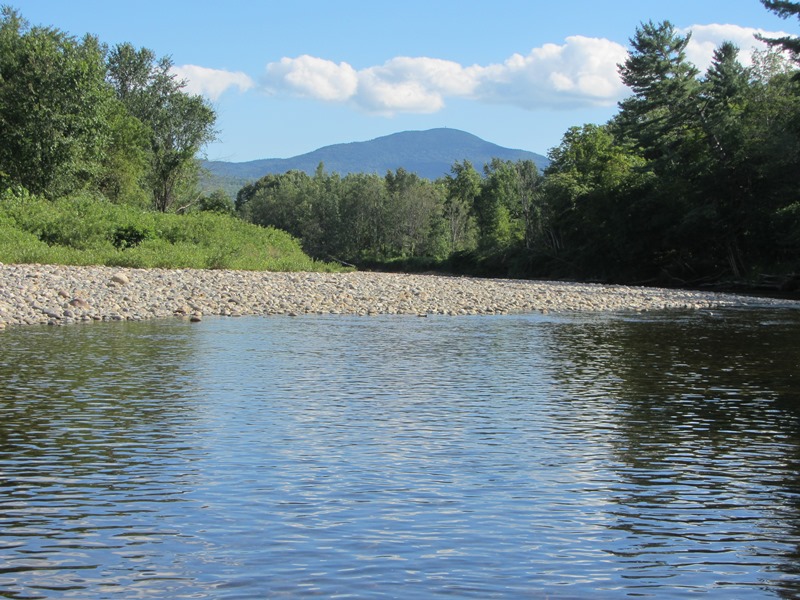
x=702, y=413
x=105, y=373
x=519, y=456
x=93, y=423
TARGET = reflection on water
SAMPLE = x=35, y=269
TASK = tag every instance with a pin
x=517, y=456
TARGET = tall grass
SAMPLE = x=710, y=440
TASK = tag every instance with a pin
x=89, y=230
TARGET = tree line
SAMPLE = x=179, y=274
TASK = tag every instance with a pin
x=696, y=177
x=399, y=217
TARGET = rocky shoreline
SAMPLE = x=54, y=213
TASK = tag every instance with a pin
x=60, y=295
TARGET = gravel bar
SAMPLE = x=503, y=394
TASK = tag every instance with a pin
x=59, y=295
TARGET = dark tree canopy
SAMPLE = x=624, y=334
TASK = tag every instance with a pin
x=784, y=9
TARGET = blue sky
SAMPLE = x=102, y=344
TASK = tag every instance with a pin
x=289, y=77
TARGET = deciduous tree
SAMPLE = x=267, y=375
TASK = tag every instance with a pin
x=178, y=124
x=463, y=186
x=54, y=107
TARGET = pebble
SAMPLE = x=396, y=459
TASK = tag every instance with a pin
x=59, y=295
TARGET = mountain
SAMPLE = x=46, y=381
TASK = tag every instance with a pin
x=429, y=154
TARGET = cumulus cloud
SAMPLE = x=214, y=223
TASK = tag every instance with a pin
x=212, y=82
x=312, y=77
x=580, y=72
x=386, y=96
x=706, y=38
x=400, y=85
x=406, y=84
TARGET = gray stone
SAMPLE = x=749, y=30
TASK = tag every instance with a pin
x=79, y=303
x=30, y=293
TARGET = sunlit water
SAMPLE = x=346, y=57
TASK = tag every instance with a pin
x=402, y=457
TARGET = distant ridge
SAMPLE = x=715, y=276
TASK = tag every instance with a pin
x=429, y=154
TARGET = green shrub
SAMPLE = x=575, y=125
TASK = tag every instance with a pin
x=128, y=236
x=90, y=230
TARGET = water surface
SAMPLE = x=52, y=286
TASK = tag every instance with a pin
x=401, y=457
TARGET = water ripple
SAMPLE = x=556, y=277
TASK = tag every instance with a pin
x=488, y=457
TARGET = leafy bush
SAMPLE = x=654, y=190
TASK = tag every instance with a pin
x=128, y=236
x=87, y=229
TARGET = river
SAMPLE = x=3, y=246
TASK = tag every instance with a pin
x=525, y=456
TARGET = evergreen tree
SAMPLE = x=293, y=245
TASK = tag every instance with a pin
x=784, y=9
x=660, y=115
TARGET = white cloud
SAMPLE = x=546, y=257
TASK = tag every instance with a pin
x=312, y=77
x=212, y=82
x=442, y=75
x=706, y=38
x=386, y=96
x=405, y=84
x=581, y=72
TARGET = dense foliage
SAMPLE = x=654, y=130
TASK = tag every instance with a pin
x=369, y=219
x=85, y=230
x=77, y=116
x=98, y=155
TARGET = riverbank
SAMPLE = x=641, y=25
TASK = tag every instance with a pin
x=59, y=295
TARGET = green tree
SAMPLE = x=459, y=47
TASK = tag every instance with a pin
x=279, y=201
x=722, y=175
x=784, y=9
x=497, y=206
x=660, y=116
x=414, y=215
x=771, y=134
x=361, y=217
x=322, y=231
x=665, y=121
x=124, y=163
x=601, y=222
x=721, y=148
x=54, y=107
x=532, y=212
x=178, y=124
x=363, y=208
x=217, y=201
x=463, y=185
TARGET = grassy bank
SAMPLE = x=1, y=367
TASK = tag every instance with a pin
x=89, y=230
